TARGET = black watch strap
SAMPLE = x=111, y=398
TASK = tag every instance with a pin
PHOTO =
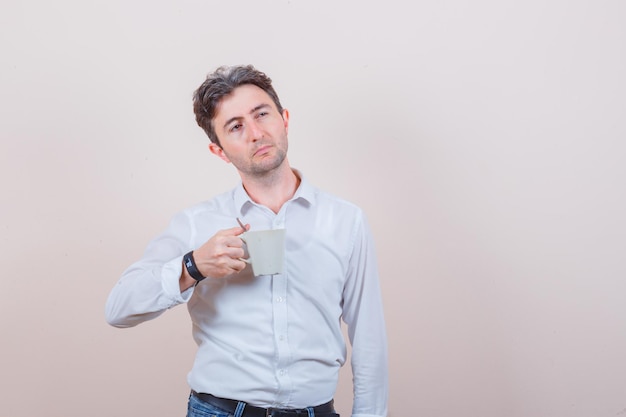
x=190, y=264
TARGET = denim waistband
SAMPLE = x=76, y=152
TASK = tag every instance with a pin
x=232, y=406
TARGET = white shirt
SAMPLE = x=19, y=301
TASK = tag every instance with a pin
x=272, y=341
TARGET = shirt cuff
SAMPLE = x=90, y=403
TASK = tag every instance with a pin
x=170, y=279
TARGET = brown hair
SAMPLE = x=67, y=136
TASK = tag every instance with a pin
x=221, y=83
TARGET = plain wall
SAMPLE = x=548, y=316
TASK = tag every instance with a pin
x=485, y=140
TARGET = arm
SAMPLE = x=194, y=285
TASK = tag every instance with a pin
x=363, y=314
x=159, y=280
x=151, y=285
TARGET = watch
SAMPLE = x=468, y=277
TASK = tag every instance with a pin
x=190, y=264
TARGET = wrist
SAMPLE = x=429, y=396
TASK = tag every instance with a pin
x=189, y=264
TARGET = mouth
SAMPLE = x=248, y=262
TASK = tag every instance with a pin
x=262, y=150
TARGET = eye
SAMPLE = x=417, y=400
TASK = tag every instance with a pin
x=262, y=114
x=235, y=127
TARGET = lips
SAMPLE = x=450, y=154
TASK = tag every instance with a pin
x=262, y=150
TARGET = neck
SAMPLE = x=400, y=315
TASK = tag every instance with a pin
x=274, y=189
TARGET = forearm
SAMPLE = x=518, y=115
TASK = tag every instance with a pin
x=153, y=284
x=369, y=360
x=144, y=292
x=370, y=378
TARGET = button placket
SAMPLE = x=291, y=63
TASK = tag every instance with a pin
x=280, y=306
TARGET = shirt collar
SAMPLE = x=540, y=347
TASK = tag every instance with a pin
x=305, y=192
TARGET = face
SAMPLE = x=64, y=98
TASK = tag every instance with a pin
x=251, y=131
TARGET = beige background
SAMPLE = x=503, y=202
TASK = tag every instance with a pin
x=484, y=139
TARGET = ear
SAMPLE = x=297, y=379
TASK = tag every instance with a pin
x=217, y=150
x=286, y=119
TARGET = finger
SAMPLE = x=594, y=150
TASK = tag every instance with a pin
x=232, y=242
x=235, y=252
x=233, y=231
x=238, y=265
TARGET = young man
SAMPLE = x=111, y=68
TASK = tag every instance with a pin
x=267, y=345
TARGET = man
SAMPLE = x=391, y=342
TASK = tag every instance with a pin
x=267, y=345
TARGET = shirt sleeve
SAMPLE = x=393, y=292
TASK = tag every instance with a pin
x=363, y=314
x=150, y=286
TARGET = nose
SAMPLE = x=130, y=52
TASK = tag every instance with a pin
x=255, y=130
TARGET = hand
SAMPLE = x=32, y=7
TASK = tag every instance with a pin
x=221, y=255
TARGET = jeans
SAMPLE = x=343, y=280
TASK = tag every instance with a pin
x=199, y=408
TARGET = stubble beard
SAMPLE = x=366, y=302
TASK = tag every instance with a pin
x=263, y=168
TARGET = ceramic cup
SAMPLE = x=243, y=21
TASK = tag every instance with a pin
x=266, y=250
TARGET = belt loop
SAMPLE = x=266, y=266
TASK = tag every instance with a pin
x=310, y=411
x=239, y=410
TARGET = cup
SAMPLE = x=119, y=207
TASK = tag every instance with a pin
x=266, y=250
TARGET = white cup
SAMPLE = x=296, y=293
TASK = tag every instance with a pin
x=266, y=249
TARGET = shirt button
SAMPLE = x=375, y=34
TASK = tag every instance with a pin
x=281, y=337
x=282, y=372
x=279, y=299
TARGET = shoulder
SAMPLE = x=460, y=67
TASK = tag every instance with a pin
x=338, y=211
x=218, y=205
x=326, y=199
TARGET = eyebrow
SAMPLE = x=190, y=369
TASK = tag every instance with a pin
x=255, y=109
